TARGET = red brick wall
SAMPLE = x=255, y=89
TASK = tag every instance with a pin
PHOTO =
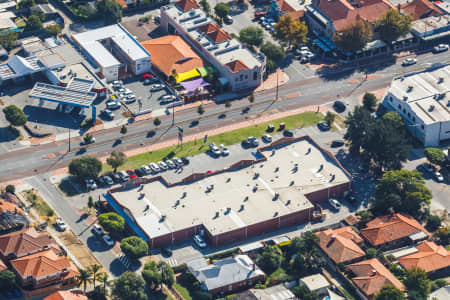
x=335, y=191
x=238, y=286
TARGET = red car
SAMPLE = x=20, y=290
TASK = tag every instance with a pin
x=131, y=174
x=147, y=75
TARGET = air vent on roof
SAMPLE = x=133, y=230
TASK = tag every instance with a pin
x=217, y=215
x=441, y=80
x=431, y=108
x=242, y=207
x=410, y=88
x=288, y=202
x=405, y=98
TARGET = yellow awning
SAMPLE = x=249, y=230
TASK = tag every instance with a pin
x=187, y=75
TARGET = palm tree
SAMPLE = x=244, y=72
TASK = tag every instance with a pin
x=103, y=277
x=83, y=279
x=94, y=270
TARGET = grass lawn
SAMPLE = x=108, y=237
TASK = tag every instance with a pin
x=275, y=275
x=182, y=291
x=38, y=203
x=227, y=138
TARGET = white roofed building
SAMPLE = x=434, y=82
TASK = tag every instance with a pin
x=423, y=101
x=116, y=52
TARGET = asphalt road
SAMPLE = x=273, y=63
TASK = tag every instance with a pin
x=295, y=94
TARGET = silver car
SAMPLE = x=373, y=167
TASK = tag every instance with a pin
x=170, y=164
x=155, y=168
x=162, y=165
x=157, y=87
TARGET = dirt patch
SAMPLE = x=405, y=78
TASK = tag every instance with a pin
x=78, y=249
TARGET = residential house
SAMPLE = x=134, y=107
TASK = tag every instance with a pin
x=291, y=7
x=393, y=230
x=25, y=242
x=10, y=207
x=67, y=295
x=419, y=9
x=278, y=292
x=370, y=276
x=430, y=257
x=11, y=221
x=316, y=283
x=227, y=275
x=43, y=269
x=342, y=245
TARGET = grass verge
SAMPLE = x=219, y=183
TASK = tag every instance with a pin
x=182, y=291
x=38, y=203
x=226, y=138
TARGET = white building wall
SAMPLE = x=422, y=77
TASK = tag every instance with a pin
x=143, y=65
x=111, y=73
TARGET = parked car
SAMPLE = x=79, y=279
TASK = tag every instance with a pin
x=162, y=165
x=97, y=229
x=339, y=106
x=438, y=176
x=168, y=98
x=323, y=126
x=440, y=48
x=113, y=104
x=224, y=150
x=157, y=87
x=185, y=161
x=108, y=114
x=429, y=168
x=337, y=143
x=130, y=99
x=155, y=168
x=139, y=172
x=108, y=180
x=252, y=141
x=178, y=161
x=334, y=203
x=198, y=240
x=108, y=240
x=115, y=177
x=87, y=141
x=228, y=20
x=409, y=62
x=267, y=138
x=146, y=169
x=60, y=224
x=170, y=164
x=166, y=252
x=124, y=176
x=214, y=149
x=90, y=184
x=288, y=133
x=131, y=174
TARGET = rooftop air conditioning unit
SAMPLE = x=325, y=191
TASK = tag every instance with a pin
x=431, y=108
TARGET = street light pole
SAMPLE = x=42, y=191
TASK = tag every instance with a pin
x=173, y=115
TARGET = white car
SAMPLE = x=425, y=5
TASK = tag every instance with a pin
x=61, y=225
x=170, y=164
x=168, y=98
x=334, y=203
x=267, y=138
x=157, y=87
x=198, y=240
x=214, y=149
x=224, y=150
x=90, y=184
x=177, y=161
x=97, y=229
x=162, y=165
x=438, y=176
x=109, y=114
x=130, y=99
x=113, y=104
x=108, y=180
x=146, y=169
x=409, y=62
x=441, y=48
x=108, y=240
x=155, y=168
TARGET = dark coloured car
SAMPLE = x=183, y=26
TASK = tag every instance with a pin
x=339, y=105
x=185, y=160
x=337, y=143
x=323, y=126
x=270, y=128
x=288, y=133
x=139, y=172
x=115, y=177
x=166, y=252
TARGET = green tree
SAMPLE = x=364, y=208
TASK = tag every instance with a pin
x=358, y=122
x=7, y=280
x=251, y=98
x=273, y=52
x=393, y=25
x=53, y=30
x=438, y=283
x=83, y=279
x=221, y=10
x=417, y=283
x=123, y=129
x=200, y=109
x=10, y=189
x=134, y=247
x=365, y=217
x=302, y=292
x=15, y=115
x=116, y=159
x=156, y=122
x=270, y=258
x=433, y=222
x=86, y=167
x=369, y=101
x=371, y=253
x=402, y=190
x=110, y=11
x=252, y=35
x=90, y=202
x=8, y=39
x=34, y=22
x=329, y=118
x=167, y=274
x=26, y=4
x=271, y=66
x=290, y=31
x=227, y=104
x=205, y=5
x=93, y=270
x=129, y=286
x=435, y=156
x=104, y=279
x=354, y=37
x=88, y=138
x=389, y=292
x=112, y=222
x=152, y=275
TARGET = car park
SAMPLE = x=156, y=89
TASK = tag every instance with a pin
x=90, y=184
x=323, y=126
x=409, y=62
x=162, y=165
x=198, y=240
x=157, y=87
x=337, y=143
x=146, y=169
x=267, y=138
x=440, y=48
x=108, y=240
x=339, y=106
x=124, y=176
x=131, y=174
x=60, y=224
x=155, y=168
x=224, y=150
x=288, y=133
x=438, y=176
x=334, y=203
x=97, y=229
x=214, y=149
x=178, y=161
x=108, y=180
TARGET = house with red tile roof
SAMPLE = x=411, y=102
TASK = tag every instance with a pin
x=3, y=267
x=370, y=276
x=420, y=9
x=342, y=245
x=43, y=269
x=67, y=295
x=286, y=8
x=24, y=242
x=430, y=258
x=11, y=207
x=394, y=230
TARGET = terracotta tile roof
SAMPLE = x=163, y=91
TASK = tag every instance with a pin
x=67, y=295
x=122, y=3
x=371, y=276
x=286, y=8
x=341, y=244
x=419, y=9
x=24, y=241
x=186, y=5
x=43, y=264
x=215, y=33
x=171, y=52
x=8, y=206
x=430, y=257
x=344, y=14
x=390, y=228
x=236, y=66
x=3, y=266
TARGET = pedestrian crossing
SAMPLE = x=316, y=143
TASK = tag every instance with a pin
x=172, y=262
x=124, y=260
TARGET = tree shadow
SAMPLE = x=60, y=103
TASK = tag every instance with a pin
x=8, y=135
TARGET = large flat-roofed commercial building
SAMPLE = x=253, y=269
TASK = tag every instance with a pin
x=277, y=189
x=116, y=52
x=423, y=102
x=240, y=69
